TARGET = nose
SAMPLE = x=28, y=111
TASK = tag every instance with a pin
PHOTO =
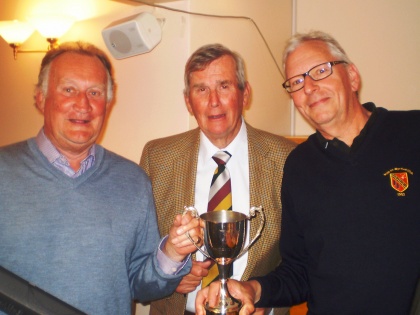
x=82, y=103
x=310, y=85
x=213, y=98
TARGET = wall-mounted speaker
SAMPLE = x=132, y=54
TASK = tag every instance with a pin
x=132, y=36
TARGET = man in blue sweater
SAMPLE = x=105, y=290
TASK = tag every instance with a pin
x=77, y=220
x=351, y=197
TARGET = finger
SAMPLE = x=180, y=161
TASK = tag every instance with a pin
x=186, y=217
x=192, y=277
x=191, y=282
x=213, y=293
x=185, y=240
x=187, y=226
x=177, y=220
x=246, y=309
x=200, y=300
x=184, y=289
x=205, y=265
x=199, y=269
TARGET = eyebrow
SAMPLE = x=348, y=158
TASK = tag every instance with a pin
x=66, y=81
x=219, y=82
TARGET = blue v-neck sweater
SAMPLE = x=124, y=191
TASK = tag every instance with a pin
x=90, y=241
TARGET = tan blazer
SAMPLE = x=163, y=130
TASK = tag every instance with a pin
x=171, y=164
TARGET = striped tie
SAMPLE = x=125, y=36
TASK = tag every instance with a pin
x=220, y=198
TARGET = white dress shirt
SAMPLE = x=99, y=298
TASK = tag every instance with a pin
x=238, y=166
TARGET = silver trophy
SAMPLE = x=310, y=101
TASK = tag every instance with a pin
x=224, y=238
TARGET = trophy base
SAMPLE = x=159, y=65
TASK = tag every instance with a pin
x=231, y=309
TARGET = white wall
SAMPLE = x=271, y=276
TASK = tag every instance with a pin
x=382, y=37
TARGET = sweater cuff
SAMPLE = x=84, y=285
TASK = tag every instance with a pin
x=167, y=265
x=262, y=302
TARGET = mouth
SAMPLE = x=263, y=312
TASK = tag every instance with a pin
x=318, y=102
x=217, y=116
x=79, y=121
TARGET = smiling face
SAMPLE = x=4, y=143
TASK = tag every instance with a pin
x=75, y=105
x=330, y=104
x=216, y=101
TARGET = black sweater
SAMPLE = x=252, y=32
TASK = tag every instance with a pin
x=350, y=237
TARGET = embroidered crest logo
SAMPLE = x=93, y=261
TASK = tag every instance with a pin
x=398, y=177
x=399, y=181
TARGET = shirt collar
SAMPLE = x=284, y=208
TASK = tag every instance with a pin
x=208, y=149
x=51, y=152
x=357, y=140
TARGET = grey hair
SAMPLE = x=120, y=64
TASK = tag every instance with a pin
x=77, y=48
x=204, y=55
x=334, y=47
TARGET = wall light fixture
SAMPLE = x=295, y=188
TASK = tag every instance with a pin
x=15, y=33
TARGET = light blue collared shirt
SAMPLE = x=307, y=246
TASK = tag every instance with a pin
x=59, y=160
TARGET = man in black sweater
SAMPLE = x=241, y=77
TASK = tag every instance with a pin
x=351, y=197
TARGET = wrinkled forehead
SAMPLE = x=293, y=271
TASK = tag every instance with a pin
x=220, y=69
x=80, y=66
x=307, y=55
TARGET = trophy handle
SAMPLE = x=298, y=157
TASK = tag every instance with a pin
x=252, y=213
x=194, y=213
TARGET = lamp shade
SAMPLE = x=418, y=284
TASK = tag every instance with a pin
x=52, y=26
x=15, y=32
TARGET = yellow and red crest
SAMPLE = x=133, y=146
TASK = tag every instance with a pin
x=399, y=181
x=398, y=177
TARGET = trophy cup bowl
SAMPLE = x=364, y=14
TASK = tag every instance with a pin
x=224, y=238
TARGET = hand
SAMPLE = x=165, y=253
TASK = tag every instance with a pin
x=261, y=311
x=199, y=270
x=247, y=292
x=178, y=246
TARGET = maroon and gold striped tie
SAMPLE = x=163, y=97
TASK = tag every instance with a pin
x=220, y=198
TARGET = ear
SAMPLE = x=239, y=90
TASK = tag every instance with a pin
x=40, y=100
x=108, y=105
x=354, y=77
x=246, y=95
x=188, y=104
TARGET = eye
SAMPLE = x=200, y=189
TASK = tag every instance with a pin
x=224, y=87
x=95, y=93
x=68, y=90
x=200, y=90
x=296, y=81
x=322, y=70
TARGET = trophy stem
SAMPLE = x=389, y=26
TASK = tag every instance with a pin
x=223, y=271
x=227, y=305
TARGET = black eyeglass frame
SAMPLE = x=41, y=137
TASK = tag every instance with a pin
x=331, y=63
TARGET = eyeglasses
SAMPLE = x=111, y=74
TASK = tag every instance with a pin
x=319, y=72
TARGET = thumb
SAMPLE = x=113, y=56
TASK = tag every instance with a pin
x=207, y=263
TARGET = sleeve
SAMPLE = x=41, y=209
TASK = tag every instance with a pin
x=288, y=284
x=147, y=280
x=168, y=265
